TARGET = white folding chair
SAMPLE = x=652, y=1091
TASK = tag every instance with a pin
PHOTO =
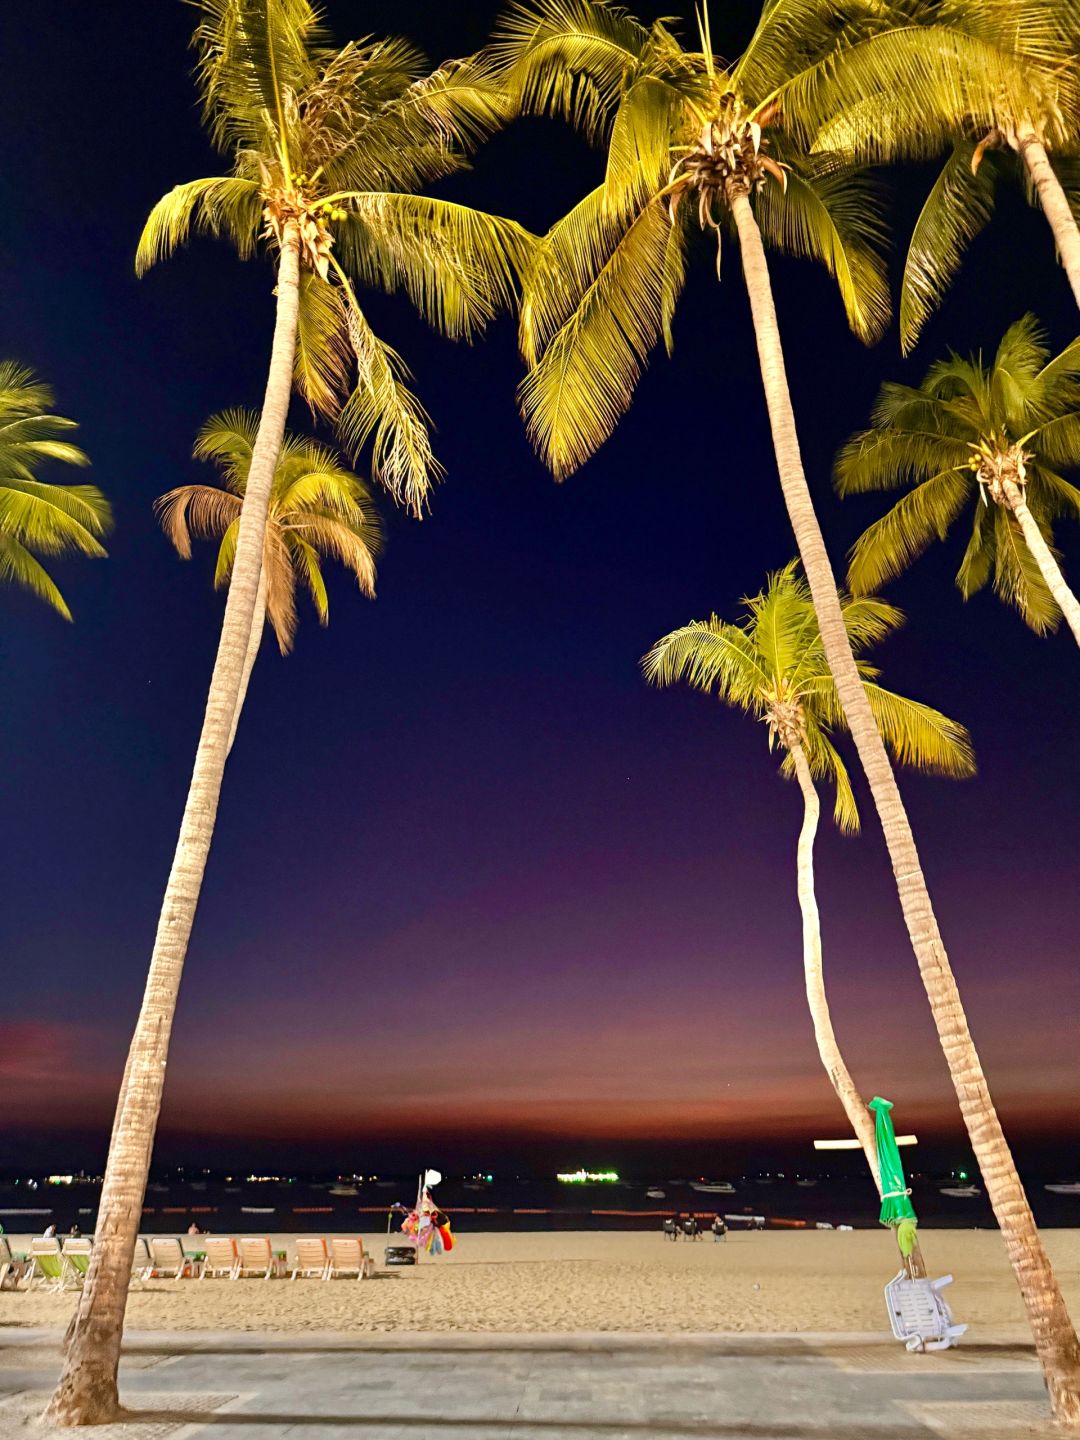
x=919, y=1314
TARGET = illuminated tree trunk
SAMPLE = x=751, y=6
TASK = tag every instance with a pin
x=258, y=620
x=1043, y=556
x=1055, y=1338
x=839, y=1075
x=87, y=1390
x=1054, y=202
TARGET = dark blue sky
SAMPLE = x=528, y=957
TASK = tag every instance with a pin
x=470, y=874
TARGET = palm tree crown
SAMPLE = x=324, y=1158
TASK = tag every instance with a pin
x=318, y=510
x=772, y=664
x=686, y=133
x=333, y=141
x=37, y=518
x=956, y=440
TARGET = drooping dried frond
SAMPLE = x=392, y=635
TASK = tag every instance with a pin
x=195, y=510
x=959, y=205
x=324, y=357
x=772, y=665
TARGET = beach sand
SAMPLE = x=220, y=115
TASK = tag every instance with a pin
x=594, y=1281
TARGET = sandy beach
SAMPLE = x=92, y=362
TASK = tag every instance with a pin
x=589, y=1281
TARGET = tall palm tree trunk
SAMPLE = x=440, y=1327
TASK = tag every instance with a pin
x=1055, y=1338
x=87, y=1390
x=839, y=1075
x=258, y=620
x=1054, y=202
x=1044, y=556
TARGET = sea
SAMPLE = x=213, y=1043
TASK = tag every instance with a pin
x=775, y=1200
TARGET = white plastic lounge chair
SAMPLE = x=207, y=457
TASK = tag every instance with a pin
x=47, y=1268
x=140, y=1262
x=256, y=1258
x=221, y=1257
x=76, y=1253
x=347, y=1257
x=919, y=1314
x=167, y=1259
x=312, y=1257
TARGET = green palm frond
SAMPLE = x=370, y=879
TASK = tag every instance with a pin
x=584, y=381
x=305, y=559
x=324, y=357
x=383, y=410
x=254, y=56
x=886, y=459
x=229, y=205
x=888, y=546
x=1016, y=576
x=570, y=58
x=639, y=150
x=36, y=517
x=1051, y=495
x=18, y=567
x=832, y=216
x=458, y=266
x=773, y=660
x=959, y=205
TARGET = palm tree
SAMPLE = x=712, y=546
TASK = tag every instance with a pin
x=688, y=137
x=987, y=440
x=318, y=509
x=37, y=518
x=771, y=664
x=1044, y=38
x=324, y=148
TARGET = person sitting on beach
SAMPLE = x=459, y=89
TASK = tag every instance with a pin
x=690, y=1227
x=671, y=1227
x=75, y=1233
x=193, y=1229
x=719, y=1228
x=50, y=1232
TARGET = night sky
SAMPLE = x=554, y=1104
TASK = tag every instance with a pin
x=475, y=889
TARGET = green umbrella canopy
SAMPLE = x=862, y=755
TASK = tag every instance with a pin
x=896, y=1206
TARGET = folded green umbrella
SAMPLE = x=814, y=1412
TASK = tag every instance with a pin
x=896, y=1207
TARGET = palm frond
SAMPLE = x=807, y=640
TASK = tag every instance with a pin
x=827, y=764
x=713, y=656
x=827, y=214
x=959, y=205
x=639, y=150
x=306, y=563
x=350, y=544
x=227, y=205
x=22, y=392
x=889, y=458
x=1017, y=578
x=254, y=56
x=324, y=356
x=280, y=587
x=1051, y=495
x=920, y=736
x=18, y=567
x=584, y=381
x=460, y=267
x=568, y=58
x=202, y=511
x=888, y=546
x=385, y=411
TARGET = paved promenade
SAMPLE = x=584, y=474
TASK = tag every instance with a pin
x=238, y=1386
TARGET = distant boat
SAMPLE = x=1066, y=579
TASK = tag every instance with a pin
x=344, y=1190
x=656, y=1194
x=961, y=1192
x=763, y=1180
x=1070, y=1188
x=232, y=1189
x=806, y=1183
x=25, y=1212
x=256, y=1209
x=713, y=1187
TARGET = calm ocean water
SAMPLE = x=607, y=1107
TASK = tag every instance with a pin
x=509, y=1203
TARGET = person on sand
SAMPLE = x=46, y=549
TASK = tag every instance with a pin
x=719, y=1228
x=193, y=1229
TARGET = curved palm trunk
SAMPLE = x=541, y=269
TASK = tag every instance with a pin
x=839, y=1075
x=87, y=1392
x=1054, y=202
x=1055, y=1338
x=258, y=620
x=1044, y=557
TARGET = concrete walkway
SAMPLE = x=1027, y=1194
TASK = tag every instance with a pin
x=235, y=1386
